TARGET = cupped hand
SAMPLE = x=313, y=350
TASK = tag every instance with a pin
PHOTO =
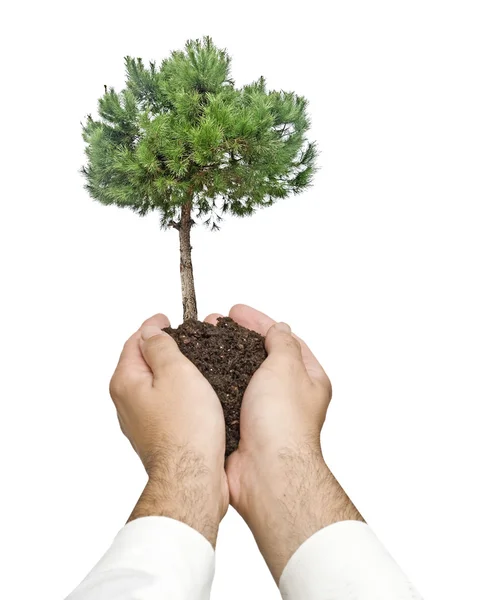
x=286, y=401
x=278, y=478
x=174, y=421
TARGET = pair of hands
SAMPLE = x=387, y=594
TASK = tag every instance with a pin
x=277, y=479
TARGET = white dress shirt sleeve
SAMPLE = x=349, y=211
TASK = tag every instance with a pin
x=152, y=558
x=344, y=561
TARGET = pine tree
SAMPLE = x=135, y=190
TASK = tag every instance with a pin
x=181, y=139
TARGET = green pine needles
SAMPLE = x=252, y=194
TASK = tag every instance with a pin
x=183, y=140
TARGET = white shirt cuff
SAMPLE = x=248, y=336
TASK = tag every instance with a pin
x=152, y=558
x=344, y=561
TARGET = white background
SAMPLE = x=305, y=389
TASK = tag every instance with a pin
x=378, y=267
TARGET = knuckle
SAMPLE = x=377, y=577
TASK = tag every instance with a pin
x=290, y=343
x=126, y=346
x=325, y=386
x=159, y=343
x=295, y=344
x=118, y=385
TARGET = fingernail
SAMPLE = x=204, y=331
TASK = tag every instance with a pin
x=151, y=330
x=283, y=327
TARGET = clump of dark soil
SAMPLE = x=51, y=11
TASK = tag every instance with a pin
x=227, y=355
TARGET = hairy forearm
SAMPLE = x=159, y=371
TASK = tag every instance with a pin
x=183, y=488
x=309, y=499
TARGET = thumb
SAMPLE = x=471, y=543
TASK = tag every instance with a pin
x=281, y=344
x=158, y=348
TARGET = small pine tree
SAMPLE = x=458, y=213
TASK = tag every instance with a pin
x=183, y=140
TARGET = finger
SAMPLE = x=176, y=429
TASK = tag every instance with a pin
x=213, y=318
x=158, y=348
x=131, y=354
x=251, y=319
x=159, y=320
x=282, y=345
x=257, y=321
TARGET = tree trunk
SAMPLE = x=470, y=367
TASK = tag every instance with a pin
x=186, y=266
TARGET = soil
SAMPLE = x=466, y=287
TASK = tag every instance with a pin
x=227, y=355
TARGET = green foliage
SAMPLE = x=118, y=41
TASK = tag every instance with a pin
x=183, y=132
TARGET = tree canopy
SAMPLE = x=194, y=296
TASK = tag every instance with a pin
x=183, y=132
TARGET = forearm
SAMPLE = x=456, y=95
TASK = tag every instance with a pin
x=310, y=499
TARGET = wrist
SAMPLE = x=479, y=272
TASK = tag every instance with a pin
x=185, y=489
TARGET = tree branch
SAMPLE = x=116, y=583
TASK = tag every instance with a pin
x=174, y=224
